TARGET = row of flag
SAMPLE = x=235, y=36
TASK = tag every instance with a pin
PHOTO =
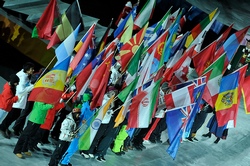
x=149, y=55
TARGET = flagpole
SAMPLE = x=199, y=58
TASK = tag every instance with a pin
x=45, y=69
x=79, y=8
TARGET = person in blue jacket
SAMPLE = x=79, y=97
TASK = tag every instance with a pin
x=85, y=118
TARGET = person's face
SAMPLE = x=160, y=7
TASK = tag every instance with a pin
x=248, y=45
x=30, y=71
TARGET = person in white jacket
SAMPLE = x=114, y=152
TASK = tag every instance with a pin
x=68, y=133
x=22, y=90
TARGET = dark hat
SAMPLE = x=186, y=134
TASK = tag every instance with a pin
x=248, y=40
x=14, y=79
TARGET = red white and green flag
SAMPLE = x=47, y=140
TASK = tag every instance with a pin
x=145, y=14
x=213, y=84
x=143, y=106
x=50, y=18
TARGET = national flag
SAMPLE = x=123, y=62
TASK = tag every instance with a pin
x=158, y=45
x=123, y=111
x=104, y=38
x=145, y=14
x=87, y=138
x=197, y=98
x=130, y=47
x=86, y=44
x=201, y=36
x=179, y=97
x=65, y=49
x=226, y=103
x=231, y=45
x=86, y=73
x=129, y=88
x=222, y=38
x=50, y=87
x=129, y=19
x=99, y=81
x=142, y=107
x=216, y=27
x=204, y=58
x=49, y=19
x=176, y=120
x=180, y=44
x=246, y=94
x=212, y=89
x=199, y=27
x=70, y=20
x=126, y=10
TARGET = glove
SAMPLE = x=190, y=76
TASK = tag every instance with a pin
x=73, y=88
x=61, y=100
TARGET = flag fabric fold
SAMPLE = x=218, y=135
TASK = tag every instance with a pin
x=50, y=87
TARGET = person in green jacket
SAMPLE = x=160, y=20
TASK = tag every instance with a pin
x=37, y=117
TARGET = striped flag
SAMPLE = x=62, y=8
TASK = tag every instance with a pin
x=145, y=14
x=50, y=87
x=66, y=48
x=87, y=138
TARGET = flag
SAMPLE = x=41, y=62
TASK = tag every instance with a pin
x=197, y=98
x=65, y=49
x=180, y=44
x=130, y=47
x=158, y=45
x=199, y=27
x=130, y=88
x=216, y=27
x=222, y=38
x=231, y=45
x=104, y=38
x=123, y=111
x=50, y=87
x=79, y=55
x=212, y=89
x=204, y=58
x=226, y=103
x=246, y=95
x=180, y=97
x=85, y=74
x=70, y=20
x=176, y=120
x=145, y=14
x=126, y=10
x=87, y=138
x=99, y=81
x=228, y=100
x=142, y=107
x=49, y=19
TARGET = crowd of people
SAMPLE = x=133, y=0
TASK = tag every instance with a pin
x=67, y=121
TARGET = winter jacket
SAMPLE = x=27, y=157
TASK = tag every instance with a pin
x=51, y=116
x=7, y=98
x=22, y=89
x=68, y=126
x=39, y=112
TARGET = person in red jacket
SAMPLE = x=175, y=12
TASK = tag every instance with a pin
x=7, y=97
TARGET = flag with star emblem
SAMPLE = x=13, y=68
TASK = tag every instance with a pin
x=99, y=81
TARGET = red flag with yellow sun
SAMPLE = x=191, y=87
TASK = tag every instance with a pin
x=130, y=48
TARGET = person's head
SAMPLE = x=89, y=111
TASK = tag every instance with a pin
x=29, y=68
x=14, y=80
x=112, y=91
x=87, y=96
x=164, y=87
x=76, y=112
x=248, y=43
